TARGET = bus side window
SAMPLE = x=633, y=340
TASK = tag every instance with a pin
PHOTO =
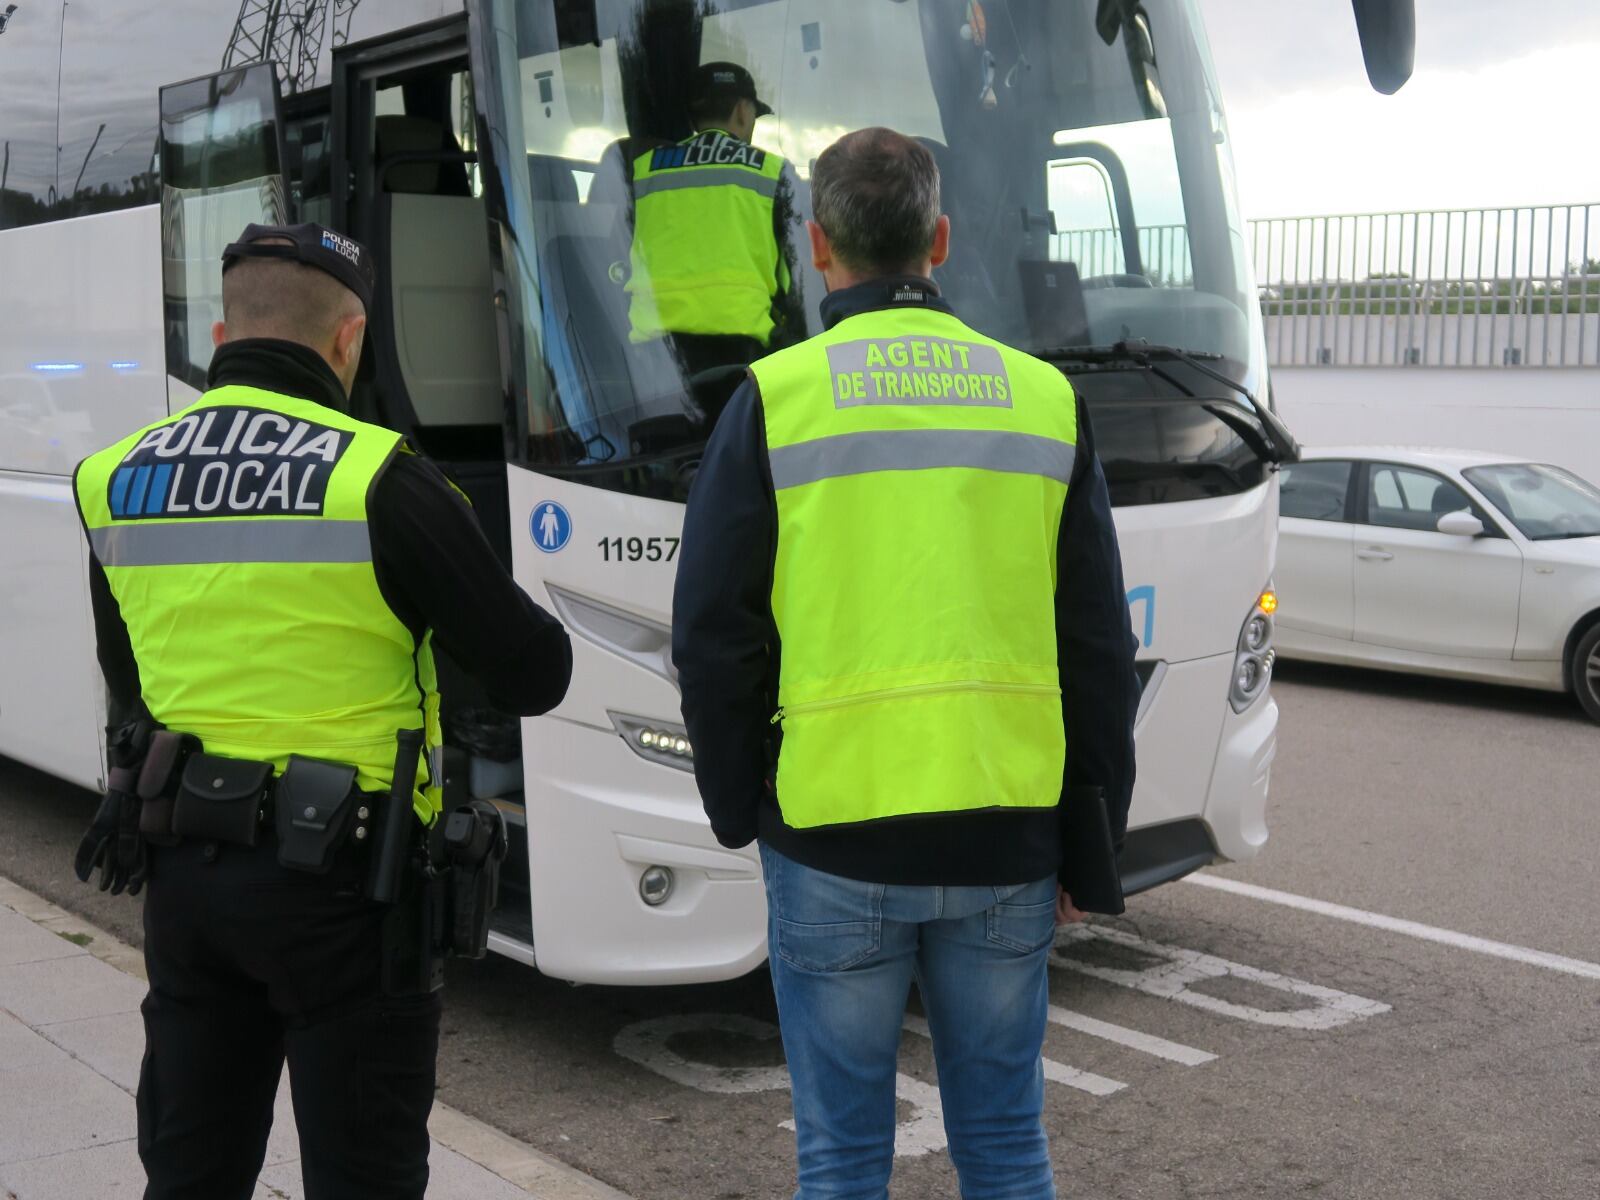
x=28, y=105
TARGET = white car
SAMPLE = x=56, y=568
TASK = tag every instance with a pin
x=1442, y=562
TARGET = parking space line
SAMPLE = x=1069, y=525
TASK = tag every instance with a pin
x=1083, y=1081
x=1148, y=1043
x=1429, y=933
x=1056, y=1072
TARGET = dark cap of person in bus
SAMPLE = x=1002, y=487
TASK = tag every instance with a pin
x=344, y=258
x=726, y=81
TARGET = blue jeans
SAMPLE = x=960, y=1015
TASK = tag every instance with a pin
x=843, y=956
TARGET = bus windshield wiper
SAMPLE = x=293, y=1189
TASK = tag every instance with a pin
x=1136, y=352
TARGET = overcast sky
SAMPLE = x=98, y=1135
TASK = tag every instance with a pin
x=1500, y=109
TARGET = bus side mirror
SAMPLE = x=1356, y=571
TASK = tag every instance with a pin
x=1388, y=31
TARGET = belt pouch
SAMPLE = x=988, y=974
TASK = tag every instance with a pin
x=315, y=804
x=220, y=799
x=158, y=783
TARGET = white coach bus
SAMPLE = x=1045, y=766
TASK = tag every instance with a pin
x=1087, y=172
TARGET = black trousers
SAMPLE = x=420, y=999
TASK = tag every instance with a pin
x=252, y=965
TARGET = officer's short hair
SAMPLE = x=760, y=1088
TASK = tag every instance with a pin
x=875, y=193
x=273, y=297
x=712, y=109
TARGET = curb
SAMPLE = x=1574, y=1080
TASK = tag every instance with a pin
x=536, y=1172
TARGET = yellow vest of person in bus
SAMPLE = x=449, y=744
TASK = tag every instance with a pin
x=705, y=258
x=234, y=538
x=920, y=470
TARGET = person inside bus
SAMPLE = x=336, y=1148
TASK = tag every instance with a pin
x=914, y=514
x=269, y=577
x=714, y=223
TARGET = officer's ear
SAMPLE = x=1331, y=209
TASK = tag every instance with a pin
x=347, y=342
x=821, y=249
x=219, y=333
x=941, y=242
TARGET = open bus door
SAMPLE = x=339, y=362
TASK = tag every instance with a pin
x=221, y=168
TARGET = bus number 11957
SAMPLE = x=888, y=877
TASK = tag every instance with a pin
x=636, y=549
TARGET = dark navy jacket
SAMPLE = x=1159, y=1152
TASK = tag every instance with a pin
x=725, y=645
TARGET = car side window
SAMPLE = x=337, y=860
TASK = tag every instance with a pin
x=1410, y=498
x=1314, y=490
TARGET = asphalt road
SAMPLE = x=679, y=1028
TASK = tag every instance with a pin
x=1244, y=1047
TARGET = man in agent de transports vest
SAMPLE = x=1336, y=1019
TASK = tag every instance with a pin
x=269, y=577
x=709, y=263
x=903, y=643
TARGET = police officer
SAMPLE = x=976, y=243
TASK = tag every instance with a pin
x=710, y=263
x=900, y=543
x=269, y=578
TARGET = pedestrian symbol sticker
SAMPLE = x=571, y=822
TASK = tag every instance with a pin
x=550, y=525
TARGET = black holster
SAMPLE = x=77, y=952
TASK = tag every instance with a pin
x=474, y=846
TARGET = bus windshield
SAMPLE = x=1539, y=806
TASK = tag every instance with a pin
x=1084, y=164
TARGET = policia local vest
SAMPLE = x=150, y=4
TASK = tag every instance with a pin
x=705, y=258
x=920, y=470
x=234, y=538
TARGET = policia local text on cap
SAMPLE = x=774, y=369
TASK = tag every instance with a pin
x=269, y=577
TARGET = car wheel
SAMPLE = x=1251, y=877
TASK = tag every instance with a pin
x=1586, y=672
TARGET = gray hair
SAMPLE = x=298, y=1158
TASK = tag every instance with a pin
x=875, y=193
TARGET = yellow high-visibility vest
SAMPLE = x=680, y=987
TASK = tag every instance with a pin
x=234, y=538
x=705, y=258
x=920, y=471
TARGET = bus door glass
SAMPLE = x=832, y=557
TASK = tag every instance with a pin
x=221, y=155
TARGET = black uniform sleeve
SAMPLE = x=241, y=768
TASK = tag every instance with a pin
x=437, y=570
x=1099, y=686
x=724, y=642
x=113, y=648
x=788, y=229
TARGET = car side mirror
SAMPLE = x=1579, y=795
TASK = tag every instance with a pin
x=1462, y=524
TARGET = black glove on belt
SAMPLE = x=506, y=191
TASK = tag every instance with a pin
x=113, y=842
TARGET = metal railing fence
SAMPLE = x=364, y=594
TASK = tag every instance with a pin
x=1445, y=287
x=1441, y=287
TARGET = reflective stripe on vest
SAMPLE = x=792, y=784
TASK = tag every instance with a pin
x=920, y=470
x=234, y=537
x=705, y=258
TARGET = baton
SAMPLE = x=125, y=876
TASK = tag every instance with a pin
x=394, y=844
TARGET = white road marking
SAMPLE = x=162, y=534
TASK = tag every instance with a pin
x=646, y=1043
x=1056, y=1072
x=1149, y=1043
x=1429, y=933
x=1083, y=1081
x=1175, y=969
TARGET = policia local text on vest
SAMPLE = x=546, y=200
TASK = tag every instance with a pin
x=269, y=578
x=709, y=262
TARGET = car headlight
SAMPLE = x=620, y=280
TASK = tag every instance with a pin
x=1254, y=655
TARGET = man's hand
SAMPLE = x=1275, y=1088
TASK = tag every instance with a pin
x=1066, y=914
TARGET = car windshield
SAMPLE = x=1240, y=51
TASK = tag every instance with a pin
x=1084, y=160
x=1543, y=502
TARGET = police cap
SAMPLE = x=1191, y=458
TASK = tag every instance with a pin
x=346, y=259
x=726, y=80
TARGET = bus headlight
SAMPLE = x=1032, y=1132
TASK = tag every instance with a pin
x=1254, y=655
x=659, y=741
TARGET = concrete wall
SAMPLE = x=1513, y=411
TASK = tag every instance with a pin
x=1548, y=414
